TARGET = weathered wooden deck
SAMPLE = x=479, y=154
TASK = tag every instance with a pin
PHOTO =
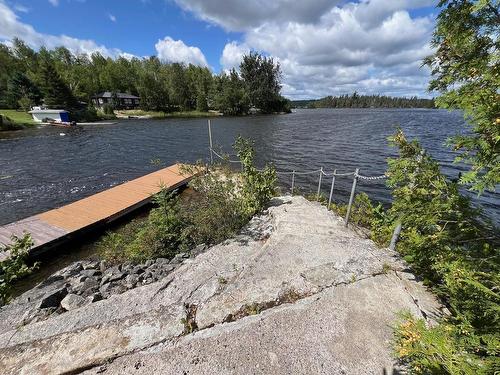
x=99, y=209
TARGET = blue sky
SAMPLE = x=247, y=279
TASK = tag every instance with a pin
x=323, y=46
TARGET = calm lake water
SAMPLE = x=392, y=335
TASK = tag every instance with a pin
x=44, y=168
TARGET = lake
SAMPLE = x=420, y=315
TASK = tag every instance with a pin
x=47, y=167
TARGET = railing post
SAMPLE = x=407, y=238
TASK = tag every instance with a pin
x=210, y=139
x=351, y=198
x=331, y=189
x=319, y=183
x=293, y=181
x=395, y=235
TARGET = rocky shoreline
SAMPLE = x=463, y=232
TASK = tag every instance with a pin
x=85, y=282
x=296, y=292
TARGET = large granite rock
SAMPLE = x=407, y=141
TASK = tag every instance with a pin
x=295, y=293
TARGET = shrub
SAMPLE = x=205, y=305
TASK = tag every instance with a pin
x=224, y=203
x=108, y=109
x=457, y=254
x=14, y=267
x=216, y=213
x=258, y=187
x=432, y=351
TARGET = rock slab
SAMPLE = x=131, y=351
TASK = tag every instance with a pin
x=294, y=293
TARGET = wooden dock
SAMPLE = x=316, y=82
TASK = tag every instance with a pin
x=54, y=226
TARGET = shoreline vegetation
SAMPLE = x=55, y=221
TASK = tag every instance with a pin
x=364, y=101
x=158, y=115
x=59, y=79
x=11, y=119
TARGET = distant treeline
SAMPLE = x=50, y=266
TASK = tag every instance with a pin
x=364, y=101
x=60, y=79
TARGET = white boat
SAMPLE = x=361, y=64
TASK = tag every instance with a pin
x=50, y=115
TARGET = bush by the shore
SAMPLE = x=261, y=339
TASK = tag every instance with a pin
x=222, y=205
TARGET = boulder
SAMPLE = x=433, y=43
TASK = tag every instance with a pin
x=179, y=258
x=198, y=250
x=131, y=281
x=88, y=287
x=112, y=274
x=95, y=297
x=138, y=269
x=162, y=261
x=90, y=272
x=71, y=270
x=53, y=298
x=72, y=302
x=91, y=265
x=111, y=288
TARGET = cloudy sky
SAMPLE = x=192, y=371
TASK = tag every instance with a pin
x=324, y=46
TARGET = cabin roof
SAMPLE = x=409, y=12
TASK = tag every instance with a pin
x=120, y=95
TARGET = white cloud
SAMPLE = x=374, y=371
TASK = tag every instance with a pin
x=232, y=55
x=238, y=15
x=12, y=27
x=177, y=51
x=112, y=17
x=373, y=46
x=54, y=2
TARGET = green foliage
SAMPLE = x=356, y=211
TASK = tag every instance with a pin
x=108, y=109
x=258, y=187
x=56, y=93
x=14, y=267
x=66, y=79
x=466, y=70
x=457, y=254
x=365, y=101
x=216, y=213
x=224, y=202
x=160, y=235
x=433, y=350
x=22, y=92
x=229, y=93
x=262, y=82
x=365, y=214
x=7, y=123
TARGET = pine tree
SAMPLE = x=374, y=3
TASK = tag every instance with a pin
x=56, y=92
x=22, y=90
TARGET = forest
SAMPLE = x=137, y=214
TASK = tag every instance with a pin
x=59, y=79
x=364, y=101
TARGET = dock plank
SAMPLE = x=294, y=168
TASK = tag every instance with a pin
x=99, y=208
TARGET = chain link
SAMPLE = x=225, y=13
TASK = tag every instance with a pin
x=371, y=178
x=367, y=178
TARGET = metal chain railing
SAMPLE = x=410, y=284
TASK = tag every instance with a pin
x=334, y=174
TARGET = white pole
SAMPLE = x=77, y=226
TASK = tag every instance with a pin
x=293, y=181
x=210, y=139
x=331, y=189
x=319, y=183
x=351, y=198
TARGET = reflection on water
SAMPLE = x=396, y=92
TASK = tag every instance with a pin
x=41, y=170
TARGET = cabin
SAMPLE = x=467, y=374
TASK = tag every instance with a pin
x=119, y=100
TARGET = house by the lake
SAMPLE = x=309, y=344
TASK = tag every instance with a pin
x=119, y=100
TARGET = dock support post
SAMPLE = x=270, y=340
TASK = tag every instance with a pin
x=293, y=181
x=319, y=183
x=351, y=198
x=210, y=140
x=331, y=189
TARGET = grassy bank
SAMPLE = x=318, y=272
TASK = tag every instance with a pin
x=162, y=115
x=13, y=119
